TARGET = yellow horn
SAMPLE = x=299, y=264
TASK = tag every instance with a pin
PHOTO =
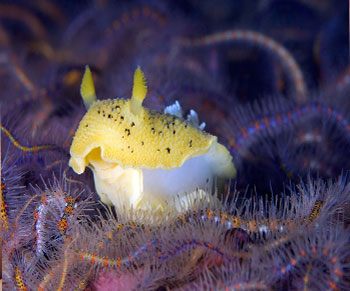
x=87, y=88
x=139, y=91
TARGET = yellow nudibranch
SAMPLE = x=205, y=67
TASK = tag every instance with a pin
x=143, y=158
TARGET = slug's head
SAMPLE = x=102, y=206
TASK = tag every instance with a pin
x=120, y=139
